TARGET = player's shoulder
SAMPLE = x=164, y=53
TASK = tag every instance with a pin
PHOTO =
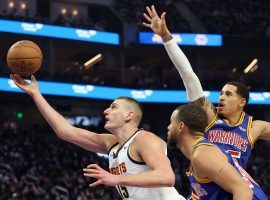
x=202, y=151
x=147, y=137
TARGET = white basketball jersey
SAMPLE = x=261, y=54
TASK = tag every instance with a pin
x=120, y=162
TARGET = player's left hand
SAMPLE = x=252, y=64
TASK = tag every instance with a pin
x=104, y=177
x=156, y=23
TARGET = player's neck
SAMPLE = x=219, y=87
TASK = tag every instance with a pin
x=187, y=144
x=233, y=119
x=124, y=133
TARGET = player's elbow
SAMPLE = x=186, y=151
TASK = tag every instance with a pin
x=169, y=179
x=244, y=191
x=249, y=193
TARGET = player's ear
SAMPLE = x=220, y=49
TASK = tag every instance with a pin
x=243, y=102
x=181, y=126
x=130, y=116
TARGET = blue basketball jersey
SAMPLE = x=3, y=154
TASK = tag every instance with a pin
x=208, y=190
x=234, y=138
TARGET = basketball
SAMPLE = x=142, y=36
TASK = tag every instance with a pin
x=24, y=58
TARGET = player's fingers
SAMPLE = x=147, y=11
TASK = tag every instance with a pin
x=149, y=11
x=87, y=170
x=154, y=10
x=97, y=176
x=96, y=183
x=19, y=80
x=91, y=166
x=147, y=25
x=147, y=17
x=194, y=196
x=163, y=16
x=33, y=79
x=94, y=167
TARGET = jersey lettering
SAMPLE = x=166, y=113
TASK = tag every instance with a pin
x=228, y=137
x=120, y=169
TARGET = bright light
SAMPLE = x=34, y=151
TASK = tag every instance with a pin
x=23, y=6
x=75, y=12
x=64, y=11
x=11, y=4
x=252, y=66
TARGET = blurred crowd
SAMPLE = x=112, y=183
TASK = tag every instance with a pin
x=35, y=164
x=242, y=17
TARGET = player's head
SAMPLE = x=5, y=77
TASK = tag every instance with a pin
x=233, y=97
x=186, y=119
x=123, y=110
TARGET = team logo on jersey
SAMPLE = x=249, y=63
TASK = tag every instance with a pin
x=242, y=129
x=219, y=121
x=198, y=189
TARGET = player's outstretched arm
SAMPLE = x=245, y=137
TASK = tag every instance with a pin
x=260, y=130
x=219, y=170
x=150, y=148
x=86, y=139
x=192, y=84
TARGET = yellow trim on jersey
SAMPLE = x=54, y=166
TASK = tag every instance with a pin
x=189, y=169
x=239, y=122
x=200, y=180
x=249, y=131
x=212, y=122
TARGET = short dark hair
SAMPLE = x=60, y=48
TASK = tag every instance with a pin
x=241, y=89
x=193, y=116
x=136, y=103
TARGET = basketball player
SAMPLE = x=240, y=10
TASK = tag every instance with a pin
x=229, y=127
x=140, y=156
x=213, y=173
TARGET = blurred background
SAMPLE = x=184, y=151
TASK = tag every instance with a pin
x=35, y=164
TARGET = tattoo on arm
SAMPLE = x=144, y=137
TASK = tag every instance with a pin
x=203, y=102
x=167, y=38
x=199, y=102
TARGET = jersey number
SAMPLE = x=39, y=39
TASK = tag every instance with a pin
x=245, y=175
x=122, y=191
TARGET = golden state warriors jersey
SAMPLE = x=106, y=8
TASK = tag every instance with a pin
x=120, y=162
x=235, y=138
x=208, y=190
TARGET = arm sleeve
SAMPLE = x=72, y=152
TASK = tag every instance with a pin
x=190, y=79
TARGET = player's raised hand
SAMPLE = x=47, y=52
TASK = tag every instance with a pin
x=156, y=23
x=102, y=176
x=29, y=88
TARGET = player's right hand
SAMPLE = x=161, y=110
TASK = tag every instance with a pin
x=29, y=88
x=156, y=23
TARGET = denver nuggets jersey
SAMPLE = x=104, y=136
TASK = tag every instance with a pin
x=235, y=138
x=120, y=162
x=206, y=189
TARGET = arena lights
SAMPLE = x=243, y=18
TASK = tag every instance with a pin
x=100, y=92
x=63, y=11
x=252, y=66
x=75, y=13
x=183, y=39
x=23, y=6
x=11, y=4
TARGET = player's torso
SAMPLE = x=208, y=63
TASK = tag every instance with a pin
x=120, y=162
x=234, y=138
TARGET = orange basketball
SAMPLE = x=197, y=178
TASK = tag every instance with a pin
x=24, y=58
